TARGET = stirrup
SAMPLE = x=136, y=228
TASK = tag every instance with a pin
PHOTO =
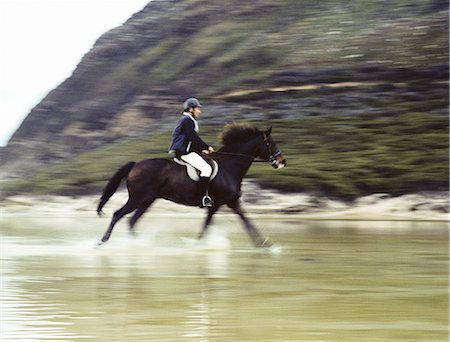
x=207, y=202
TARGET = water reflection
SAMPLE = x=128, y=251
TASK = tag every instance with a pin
x=333, y=281
x=28, y=316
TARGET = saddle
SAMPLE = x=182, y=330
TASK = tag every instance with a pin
x=193, y=173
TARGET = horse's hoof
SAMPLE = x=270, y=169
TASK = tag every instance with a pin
x=99, y=244
x=268, y=246
x=274, y=249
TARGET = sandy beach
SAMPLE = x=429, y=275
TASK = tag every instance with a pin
x=257, y=201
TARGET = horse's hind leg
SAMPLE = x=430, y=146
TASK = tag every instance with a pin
x=126, y=209
x=141, y=209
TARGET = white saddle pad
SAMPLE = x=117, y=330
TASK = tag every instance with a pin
x=193, y=173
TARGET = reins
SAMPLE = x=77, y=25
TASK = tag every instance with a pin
x=241, y=155
x=270, y=160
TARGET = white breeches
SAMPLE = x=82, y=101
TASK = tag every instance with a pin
x=199, y=163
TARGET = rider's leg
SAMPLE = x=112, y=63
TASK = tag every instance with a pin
x=206, y=200
x=199, y=163
x=205, y=172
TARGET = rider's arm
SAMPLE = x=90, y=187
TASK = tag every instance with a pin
x=188, y=129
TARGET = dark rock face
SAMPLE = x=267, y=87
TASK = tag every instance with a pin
x=245, y=60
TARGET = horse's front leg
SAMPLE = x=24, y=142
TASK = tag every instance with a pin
x=211, y=211
x=254, y=233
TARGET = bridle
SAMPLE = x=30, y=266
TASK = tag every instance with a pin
x=272, y=157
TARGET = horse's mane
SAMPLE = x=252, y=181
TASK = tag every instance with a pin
x=237, y=133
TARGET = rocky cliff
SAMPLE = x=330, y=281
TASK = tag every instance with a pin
x=251, y=60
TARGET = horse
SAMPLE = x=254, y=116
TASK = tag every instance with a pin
x=155, y=178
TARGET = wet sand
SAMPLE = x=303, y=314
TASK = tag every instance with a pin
x=433, y=206
x=383, y=275
x=328, y=281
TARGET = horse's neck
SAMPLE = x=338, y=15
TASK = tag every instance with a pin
x=243, y=159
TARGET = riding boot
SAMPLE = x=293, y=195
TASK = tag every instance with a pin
x=206, y=199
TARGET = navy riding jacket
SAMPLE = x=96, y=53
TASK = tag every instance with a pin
x=185, y=137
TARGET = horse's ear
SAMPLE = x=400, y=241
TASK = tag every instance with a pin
x=268, y=131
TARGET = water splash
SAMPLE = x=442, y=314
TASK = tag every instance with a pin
x=215, y=240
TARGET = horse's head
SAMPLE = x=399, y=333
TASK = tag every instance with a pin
x=268, y=150
x=248, y=141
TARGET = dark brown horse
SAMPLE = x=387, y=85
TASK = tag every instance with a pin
x=163, y=178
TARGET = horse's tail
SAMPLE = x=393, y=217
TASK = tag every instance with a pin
x=113, y=184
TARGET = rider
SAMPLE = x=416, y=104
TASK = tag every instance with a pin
x=188, y=146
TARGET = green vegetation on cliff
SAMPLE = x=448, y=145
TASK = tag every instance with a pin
x=343, y=157
x=357, y=93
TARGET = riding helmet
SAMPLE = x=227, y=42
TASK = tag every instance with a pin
x=191, y=102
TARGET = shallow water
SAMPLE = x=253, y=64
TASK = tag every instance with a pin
x=328, y=281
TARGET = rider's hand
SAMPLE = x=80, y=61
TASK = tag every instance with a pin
x=208, y=151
